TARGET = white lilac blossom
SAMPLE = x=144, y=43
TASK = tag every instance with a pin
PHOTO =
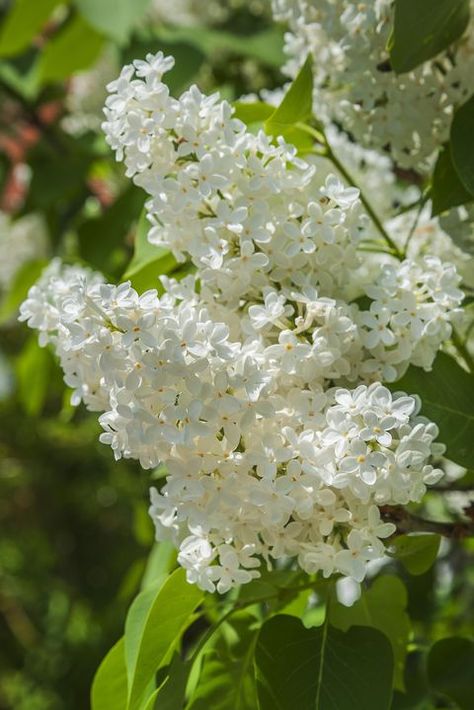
x=22, y=240
x=355, y=85
x=255, y=382
x=258, y=469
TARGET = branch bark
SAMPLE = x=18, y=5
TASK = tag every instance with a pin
x=407, y=522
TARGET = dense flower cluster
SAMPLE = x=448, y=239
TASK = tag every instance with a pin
x=355, y=85
x=22, y=240
x=256, y=468
x=255, y=382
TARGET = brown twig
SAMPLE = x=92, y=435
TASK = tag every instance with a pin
x=408, y=522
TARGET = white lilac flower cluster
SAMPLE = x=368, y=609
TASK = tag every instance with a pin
x=22, y=240
x=244, y=379
x=257, y=467
x=355, y=85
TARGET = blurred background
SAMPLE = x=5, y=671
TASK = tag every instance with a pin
x=75, y=532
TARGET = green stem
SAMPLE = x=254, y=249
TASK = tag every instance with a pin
x=368, y=207
x=327, y=152
x=243, y=605
x=463, y=351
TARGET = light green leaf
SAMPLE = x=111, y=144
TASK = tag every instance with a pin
x=33, y=370
x=109, y=689
x=447, y=394
x=226, y=684
x=24, y=279
x=322, y=668
x=383, y=607
x=113, y=18
x=252, y=112
x=462, y=144
x=423, y=28
x=450, y=670
x=24, y=21
x=227, y=680
x=297, y=104
x=75, y=48
x=161, y=560
x=154, y=625
x=447, y=189
x=416, y=552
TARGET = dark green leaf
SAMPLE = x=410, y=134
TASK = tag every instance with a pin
x=382, y=607
x=416, y=694
x=322, y=668
x=24, y=279
x=109, y=689
x=447, y=394
x=447, y=189
x=297, y=104
x=75, y=48
x=22, y=24
x=416, y=552
x=462, y=144
x=99, y=237
x=170, y=695
x=155, y=622
x=114, y=18
x=451, y=670
x=423, y=28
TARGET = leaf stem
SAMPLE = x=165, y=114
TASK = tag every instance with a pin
x=327, y=152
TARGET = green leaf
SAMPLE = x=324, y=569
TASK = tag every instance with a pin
x=155, y=623
x=109, y=688
x=382, y=607
x=423, y=28
x=23, y=23
x=416, y=552
x=447, y=393
x=226, y=684
x=99, y=237
x=227, y=680
x=462, y=144
x=33, y=370
x=113, y=18
x=252, y=112
x=75, y=48
x=447, y=189
x=450, y=670
x=416, y=695
x=149, y=261
x=297, y=104
x=161, y=561
x=25, y=277
x=322, y=668
x=171, y=694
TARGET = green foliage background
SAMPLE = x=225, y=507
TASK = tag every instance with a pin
x=77, y=545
